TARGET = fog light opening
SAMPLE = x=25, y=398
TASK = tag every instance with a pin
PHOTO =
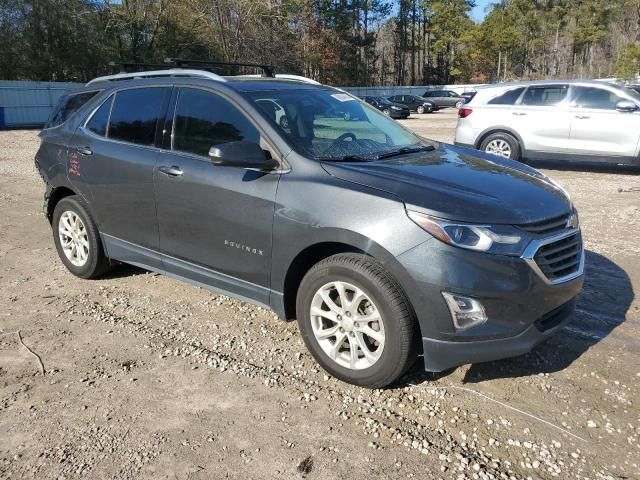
x=465, y=312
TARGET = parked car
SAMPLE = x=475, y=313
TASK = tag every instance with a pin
x=584, y=121
x=277, y=111
x=415, y=103
x=445, y=98
x=393, y=110
x=380, y=243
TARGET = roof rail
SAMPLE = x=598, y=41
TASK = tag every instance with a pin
x=172, y=72
x=286, y=76
x=267, y=70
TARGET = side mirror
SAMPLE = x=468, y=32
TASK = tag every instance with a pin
x=626, y=106
x=241, y=154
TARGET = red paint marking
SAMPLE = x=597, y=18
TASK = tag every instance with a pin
x=74, y=163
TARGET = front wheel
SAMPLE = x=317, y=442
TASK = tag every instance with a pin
x=421, y=109
x=387, y=112
x=502, y=145
x=356, y=321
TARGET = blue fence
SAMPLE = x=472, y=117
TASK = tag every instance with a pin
x=29, y=104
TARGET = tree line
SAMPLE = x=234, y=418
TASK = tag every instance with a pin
x=339, y=42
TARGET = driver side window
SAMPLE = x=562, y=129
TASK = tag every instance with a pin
x=203, y=119
x=597, y=98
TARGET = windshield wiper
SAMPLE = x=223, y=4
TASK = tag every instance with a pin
x=404, y=151
x=345, y=158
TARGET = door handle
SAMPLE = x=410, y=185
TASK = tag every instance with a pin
x=518, y=114
x=84, y=151
x=172, y=171
x=583, y=117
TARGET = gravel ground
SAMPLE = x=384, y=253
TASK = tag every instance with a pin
x=147, y=377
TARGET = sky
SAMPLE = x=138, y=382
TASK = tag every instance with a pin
x=479, y=12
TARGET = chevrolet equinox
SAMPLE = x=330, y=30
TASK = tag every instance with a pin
x=383, y=245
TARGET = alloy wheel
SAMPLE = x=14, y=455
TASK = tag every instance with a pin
x=499, y=147
x=73, y=238
x=347, y=325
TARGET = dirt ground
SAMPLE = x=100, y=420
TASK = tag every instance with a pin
x=147, y=377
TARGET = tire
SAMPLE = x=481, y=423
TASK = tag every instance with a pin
x=380, y=294
x=347, y=116
x=420, y=109
x=459, y=104
x=284, y=121
x=501, y=144
x=93, y=262
x=387, y=112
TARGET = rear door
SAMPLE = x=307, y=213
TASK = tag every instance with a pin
x=598, y=131
x=113, y=163
x=542, y=119
x=215, y=221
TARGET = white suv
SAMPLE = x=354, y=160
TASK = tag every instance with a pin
x=567, y=120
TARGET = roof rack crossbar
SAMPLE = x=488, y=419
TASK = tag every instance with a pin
x=267, y=70
x=172, y=72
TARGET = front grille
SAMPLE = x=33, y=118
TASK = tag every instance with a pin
x=561, y=258
x=547, y=227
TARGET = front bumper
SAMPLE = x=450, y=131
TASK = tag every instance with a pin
x=517, y=301
x=441, y=355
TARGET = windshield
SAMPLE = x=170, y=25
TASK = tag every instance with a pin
x=632, y=93
x=384, y=101
x=331, y=125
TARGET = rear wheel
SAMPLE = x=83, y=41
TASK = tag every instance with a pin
x=502, y=145
x=77, y=239
x=356, y=321
x=459, y=104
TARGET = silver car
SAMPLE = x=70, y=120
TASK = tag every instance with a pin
x=586, y=121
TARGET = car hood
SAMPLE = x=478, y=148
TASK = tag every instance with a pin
x=461, y=184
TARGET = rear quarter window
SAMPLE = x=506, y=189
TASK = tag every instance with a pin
x=67, y=106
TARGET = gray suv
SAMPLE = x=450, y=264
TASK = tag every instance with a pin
x=381, y=244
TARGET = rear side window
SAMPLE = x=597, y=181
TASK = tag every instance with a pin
x=507, y=98
x=100, y=119
x=592, y=97
x=135, y=114
x=67, y=105
x=204, y=119
x=545, y=95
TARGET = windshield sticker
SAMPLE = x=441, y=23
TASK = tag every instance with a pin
x=343, y=97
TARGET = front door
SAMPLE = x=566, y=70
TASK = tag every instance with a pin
x=598, y=131
x=215, y=221
x=112, y=162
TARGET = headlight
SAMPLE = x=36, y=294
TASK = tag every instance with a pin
x=396, y=108
x=500, y=239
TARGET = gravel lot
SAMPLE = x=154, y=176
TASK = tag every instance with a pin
x=147, y=377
